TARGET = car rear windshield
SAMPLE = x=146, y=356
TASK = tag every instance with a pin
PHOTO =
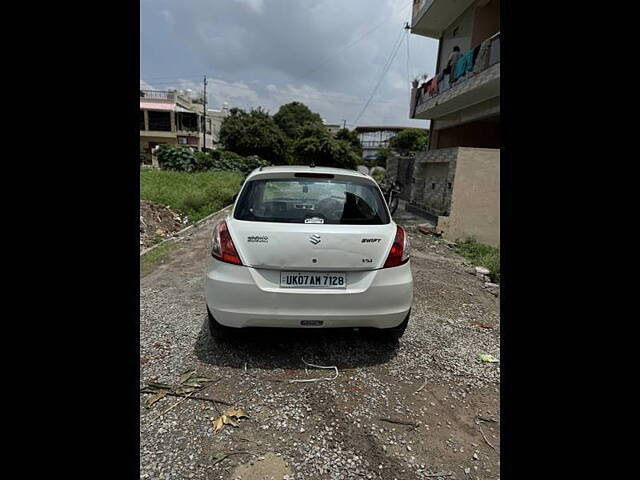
x=311, y=200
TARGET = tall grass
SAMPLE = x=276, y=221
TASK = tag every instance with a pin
x=481, y=255
x=196, y=194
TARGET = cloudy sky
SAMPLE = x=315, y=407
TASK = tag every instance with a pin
x=328, y=54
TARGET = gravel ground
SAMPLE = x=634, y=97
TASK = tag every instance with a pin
x=330, y=429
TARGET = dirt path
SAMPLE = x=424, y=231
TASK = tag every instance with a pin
x=329, y=429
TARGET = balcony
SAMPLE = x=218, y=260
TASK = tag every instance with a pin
x=374, y=143
x=158, y=95
x=481, y=82
x=431, y=17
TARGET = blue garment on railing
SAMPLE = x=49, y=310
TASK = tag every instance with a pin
x=464, y=65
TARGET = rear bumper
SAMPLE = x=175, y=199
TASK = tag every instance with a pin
x=247, y=297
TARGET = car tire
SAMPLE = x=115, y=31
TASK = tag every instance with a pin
x=217, y=330
x=394, y=333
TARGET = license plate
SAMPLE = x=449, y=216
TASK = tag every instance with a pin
x=313, y=280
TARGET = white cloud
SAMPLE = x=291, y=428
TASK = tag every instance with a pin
x=145, y=86
x=328, y=54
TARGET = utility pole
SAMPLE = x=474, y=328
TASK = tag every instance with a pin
x=204, y=138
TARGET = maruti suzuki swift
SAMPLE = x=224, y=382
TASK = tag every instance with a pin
x=309, y=247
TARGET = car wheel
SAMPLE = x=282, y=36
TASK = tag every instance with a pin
x=218, y=331
x=394, y=333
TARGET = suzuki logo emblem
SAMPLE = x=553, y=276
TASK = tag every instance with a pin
x=315, y=239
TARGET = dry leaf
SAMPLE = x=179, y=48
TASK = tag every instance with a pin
x=192, y=383
x=200, y=379
x=236, y=412
x=230, y=421
x=218, y=424
x=229, y=417
x=218, y=457
x=186, y=376
x=151, y=400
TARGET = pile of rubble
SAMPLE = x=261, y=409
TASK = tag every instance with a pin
x=158, y=222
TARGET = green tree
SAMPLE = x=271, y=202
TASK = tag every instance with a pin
x=254, y=133
x=410, y=139
x=381, y=157
x=291, y=118
x=324, y=150
x=352, y=138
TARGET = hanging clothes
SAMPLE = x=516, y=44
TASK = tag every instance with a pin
x=469, y=56
x=432, y=89
x=482, y=60
x=475, y=53
x=464, y=65
x=459, y=69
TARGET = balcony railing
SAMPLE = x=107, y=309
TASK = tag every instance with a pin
x=375, y=143
x=158, y=95
x=440, y=83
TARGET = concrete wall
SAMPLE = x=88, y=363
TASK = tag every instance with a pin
x=433, y=177
x=480, y=134
x=145, y=150
x=463, y=28
x=486, y=22
x=475, y=202
x=478, y=111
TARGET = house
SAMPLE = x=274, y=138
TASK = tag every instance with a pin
x=171, y=117
x=374, y=138
x=333, y=127
x=458, y=179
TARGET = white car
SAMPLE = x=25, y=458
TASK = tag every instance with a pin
x=309, y=247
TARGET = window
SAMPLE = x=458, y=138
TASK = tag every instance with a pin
x=159, y=121
x=294, y=200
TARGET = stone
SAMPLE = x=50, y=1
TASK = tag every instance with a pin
x=482, y=271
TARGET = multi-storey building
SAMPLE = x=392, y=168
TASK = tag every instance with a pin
x=458, y=178
x=175, y=118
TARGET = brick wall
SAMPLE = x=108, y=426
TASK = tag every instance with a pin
x=434, y=173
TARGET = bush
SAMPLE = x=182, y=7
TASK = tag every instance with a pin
x=379, y=174
x=183, y=159
x=230, y=161
x=178, y=158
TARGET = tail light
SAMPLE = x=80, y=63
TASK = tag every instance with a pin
x=223, y=248
x=399, y=253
